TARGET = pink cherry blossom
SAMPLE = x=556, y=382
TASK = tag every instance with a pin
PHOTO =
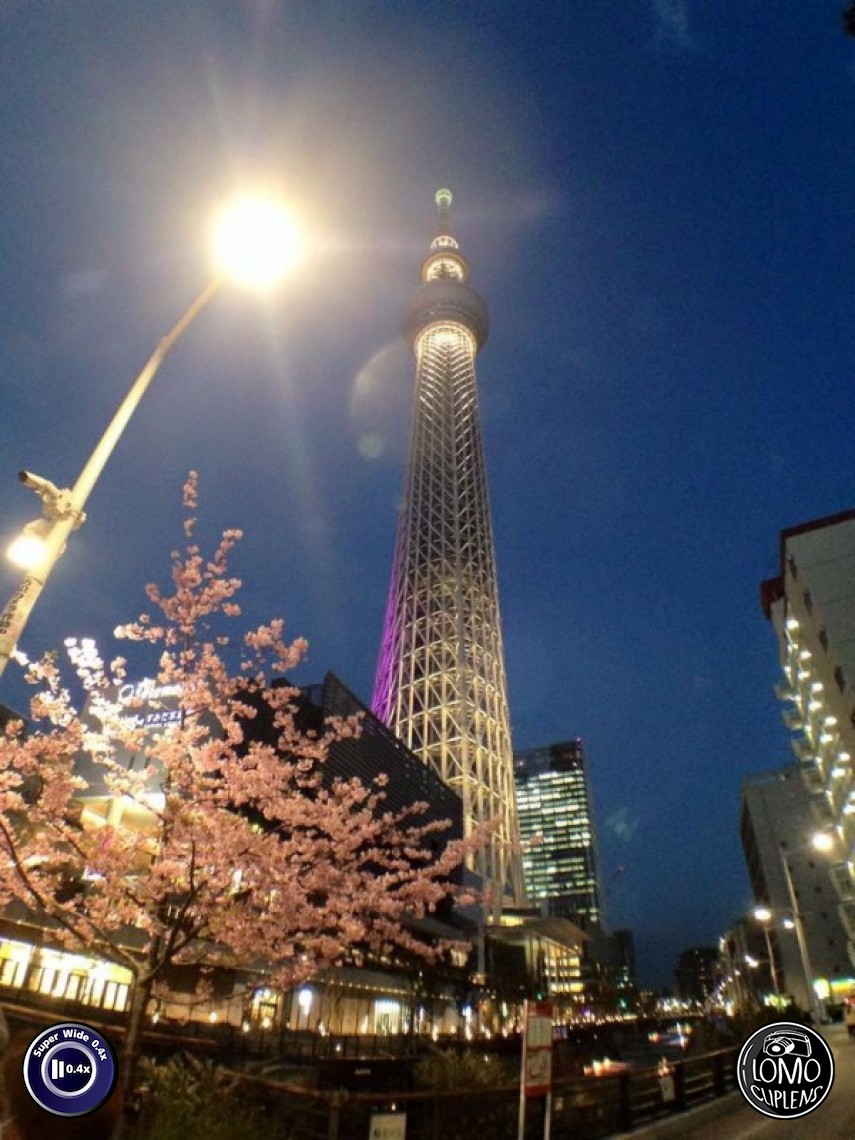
x=214, y=847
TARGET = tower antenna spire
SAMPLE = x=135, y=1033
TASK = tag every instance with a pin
x=443, y=210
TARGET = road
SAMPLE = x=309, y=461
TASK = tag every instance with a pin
x=735, y=1119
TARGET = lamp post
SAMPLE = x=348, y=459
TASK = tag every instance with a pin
x=824, y=842
x=817, y=1007
x=733, y=987
x=256, y=243
x=763, y=916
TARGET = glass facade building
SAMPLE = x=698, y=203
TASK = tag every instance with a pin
x=557, y=831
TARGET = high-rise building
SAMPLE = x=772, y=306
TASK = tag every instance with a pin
x=625, y=975
x=440, y=684
x=695, y=973
x=557, y=831
x=811, y=604
x=786, y=872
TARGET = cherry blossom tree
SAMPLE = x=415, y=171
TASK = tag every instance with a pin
x=211, y=846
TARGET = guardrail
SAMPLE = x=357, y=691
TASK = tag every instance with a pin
x=582, y=1108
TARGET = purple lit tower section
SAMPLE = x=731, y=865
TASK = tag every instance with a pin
x=440, y=684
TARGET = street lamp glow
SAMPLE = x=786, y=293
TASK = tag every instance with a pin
x=256, y=241
x=29, y=549
x=762, y=913
x=822, y=841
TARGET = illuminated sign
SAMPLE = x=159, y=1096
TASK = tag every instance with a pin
x=152, y=705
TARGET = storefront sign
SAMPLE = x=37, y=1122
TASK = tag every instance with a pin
x=537, y=1048
x=388, y=1126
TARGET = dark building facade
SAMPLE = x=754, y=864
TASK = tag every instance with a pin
x=7, y=715
x=376, y=751
x=695, y=973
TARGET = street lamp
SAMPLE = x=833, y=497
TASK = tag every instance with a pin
x=256, y=243
x=764, y=917
x=825, y=842
x=816, y=1004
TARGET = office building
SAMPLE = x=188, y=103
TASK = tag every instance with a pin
x=557, y=832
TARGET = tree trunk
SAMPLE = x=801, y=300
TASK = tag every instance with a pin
x=132, y=1045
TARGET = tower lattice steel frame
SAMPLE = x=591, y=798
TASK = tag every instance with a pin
x=440, y=683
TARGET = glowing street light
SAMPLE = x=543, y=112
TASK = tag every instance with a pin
x=256, y=244
x=29, y=549
x=823, y=841
x=764, y=917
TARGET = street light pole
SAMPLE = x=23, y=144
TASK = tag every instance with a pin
x=257, y=242
x=773, y=970
x=65, y=507
x=817, y=1007
x=763, y=915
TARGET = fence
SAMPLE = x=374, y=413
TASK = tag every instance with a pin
x=582, y=1108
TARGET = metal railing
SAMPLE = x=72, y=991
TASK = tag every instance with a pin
x=582, y=1108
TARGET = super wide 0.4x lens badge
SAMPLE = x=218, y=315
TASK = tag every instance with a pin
x=69, y=1069
x=785, y=1070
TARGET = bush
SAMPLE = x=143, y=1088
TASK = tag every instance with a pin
x=191, y=1099
x=446, y=1070
x=724, y=1033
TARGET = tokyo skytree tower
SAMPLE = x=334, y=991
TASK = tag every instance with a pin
x=440, y=684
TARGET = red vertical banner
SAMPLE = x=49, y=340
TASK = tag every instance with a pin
x=537, y=1048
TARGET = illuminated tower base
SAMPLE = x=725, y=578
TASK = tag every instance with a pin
x=440, y=682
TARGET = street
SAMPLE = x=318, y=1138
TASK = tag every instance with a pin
x=737, y=1120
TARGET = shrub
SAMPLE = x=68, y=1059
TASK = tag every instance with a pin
x=446, y=1070
x=192, y=1099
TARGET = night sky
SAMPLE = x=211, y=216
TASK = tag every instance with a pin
x=656, y=198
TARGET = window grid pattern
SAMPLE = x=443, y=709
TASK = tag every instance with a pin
x=556, y=826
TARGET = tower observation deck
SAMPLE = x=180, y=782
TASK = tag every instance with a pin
x=440, y=683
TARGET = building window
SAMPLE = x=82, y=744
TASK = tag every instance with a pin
x=840, y=678
x=808, y=600
x=823, y=638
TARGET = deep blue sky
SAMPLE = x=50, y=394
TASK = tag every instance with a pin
x=656, y=197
